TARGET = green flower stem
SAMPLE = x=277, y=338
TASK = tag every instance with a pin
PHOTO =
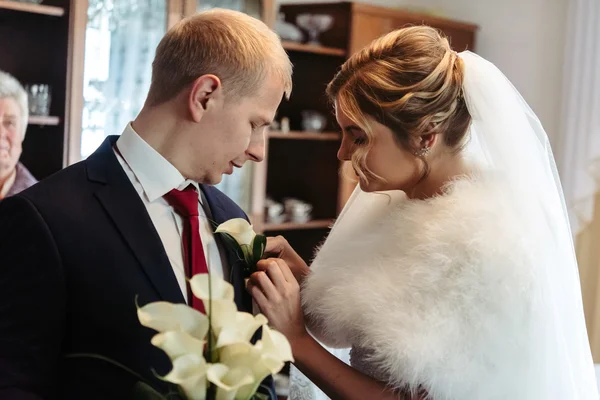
x=211, y=392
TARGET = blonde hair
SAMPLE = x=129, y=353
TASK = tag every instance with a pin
x=11, y=88
x=239, y=49
x=409, y=80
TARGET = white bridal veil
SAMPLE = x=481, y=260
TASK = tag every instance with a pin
x=507, y=136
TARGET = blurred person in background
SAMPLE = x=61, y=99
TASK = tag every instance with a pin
x=14, y=112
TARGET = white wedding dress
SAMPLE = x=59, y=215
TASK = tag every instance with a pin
x=470, y=295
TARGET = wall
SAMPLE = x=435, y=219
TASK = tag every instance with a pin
x=524, y=38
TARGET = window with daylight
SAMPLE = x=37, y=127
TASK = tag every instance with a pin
x=121, y=38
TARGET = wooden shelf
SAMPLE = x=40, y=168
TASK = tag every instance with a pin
x=300, y=135
x=289, y=226
x=43, y=120
x=310, y=48
x=32, y=8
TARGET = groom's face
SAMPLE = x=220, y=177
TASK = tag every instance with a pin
x=231, y=131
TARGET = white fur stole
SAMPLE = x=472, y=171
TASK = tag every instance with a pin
x=437, y=290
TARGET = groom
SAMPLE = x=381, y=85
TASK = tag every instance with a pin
x=80, y=248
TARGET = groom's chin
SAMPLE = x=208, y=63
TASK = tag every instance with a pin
x=213, y=179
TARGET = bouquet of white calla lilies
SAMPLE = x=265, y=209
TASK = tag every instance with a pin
x=247, y=244
x=215, y=348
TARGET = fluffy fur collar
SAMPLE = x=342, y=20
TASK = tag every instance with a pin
x=435, y=290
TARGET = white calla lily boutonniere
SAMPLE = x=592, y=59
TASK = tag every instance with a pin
x=249, y=245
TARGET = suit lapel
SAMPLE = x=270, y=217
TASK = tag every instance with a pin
x=125, y=208
x=236, y=277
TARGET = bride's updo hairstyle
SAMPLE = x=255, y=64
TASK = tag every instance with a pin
x=409, y=80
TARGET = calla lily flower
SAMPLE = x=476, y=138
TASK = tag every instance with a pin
x=219, y=288
x=267, y=356
x=240, y=329
x=163, y=316
x=239, y=229
x=189, y=372
x=178, y=343
x=229, y=381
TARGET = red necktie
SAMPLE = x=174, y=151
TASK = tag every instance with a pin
x=185, y=203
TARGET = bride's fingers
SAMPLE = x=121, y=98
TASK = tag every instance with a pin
x=262, y=281
x=257, y=294
x=275, y=246
x=263, y=265
x=275, y=274
x=286, y=271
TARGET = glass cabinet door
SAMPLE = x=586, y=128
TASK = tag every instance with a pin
x=250, y=7
x=121, y=38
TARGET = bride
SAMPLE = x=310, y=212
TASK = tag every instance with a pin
x=450, y=273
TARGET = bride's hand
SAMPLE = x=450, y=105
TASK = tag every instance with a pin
x=279, y=247
x=277, y=294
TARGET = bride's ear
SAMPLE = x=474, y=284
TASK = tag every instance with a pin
x=428, y=140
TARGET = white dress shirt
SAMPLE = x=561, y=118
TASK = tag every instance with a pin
x=152, y=177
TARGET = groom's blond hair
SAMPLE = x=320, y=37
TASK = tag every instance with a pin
x=241, y=50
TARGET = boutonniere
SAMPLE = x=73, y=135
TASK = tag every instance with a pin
x=248, y=245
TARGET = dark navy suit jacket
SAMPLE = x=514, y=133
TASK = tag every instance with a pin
x=76, y=251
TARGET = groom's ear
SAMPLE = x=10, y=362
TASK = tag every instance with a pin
x=205, y=91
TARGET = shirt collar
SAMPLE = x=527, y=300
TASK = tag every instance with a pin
x=154, y=172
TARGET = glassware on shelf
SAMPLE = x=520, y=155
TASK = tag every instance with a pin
x=274, y=211
x=313, y=121
x=315, y=24
x=288, y=31
x=297, y=210
x=39, y=98
x=291, y=210
x=285, y=125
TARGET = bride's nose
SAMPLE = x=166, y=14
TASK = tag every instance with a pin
x=344, y=152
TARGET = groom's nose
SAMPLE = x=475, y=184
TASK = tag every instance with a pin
x=256, y=150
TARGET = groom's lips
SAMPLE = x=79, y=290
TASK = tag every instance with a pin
x=232, y=165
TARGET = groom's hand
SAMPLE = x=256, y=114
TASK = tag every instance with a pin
x=278, y=247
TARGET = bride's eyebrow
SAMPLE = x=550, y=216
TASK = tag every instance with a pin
x=353, y=129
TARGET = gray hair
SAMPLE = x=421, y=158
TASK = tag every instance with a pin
x=10, y=88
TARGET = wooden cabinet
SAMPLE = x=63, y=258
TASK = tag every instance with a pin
x=370, y=22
